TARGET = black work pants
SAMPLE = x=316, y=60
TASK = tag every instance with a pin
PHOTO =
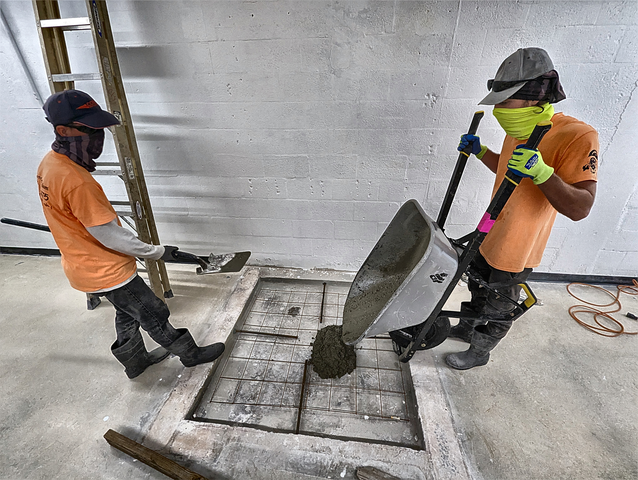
x=136, y=305
x=494, y=307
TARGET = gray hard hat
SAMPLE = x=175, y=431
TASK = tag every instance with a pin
x=523, y=65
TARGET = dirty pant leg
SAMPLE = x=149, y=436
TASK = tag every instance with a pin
x=477, y=292
x=496, y=306
x=137, y=305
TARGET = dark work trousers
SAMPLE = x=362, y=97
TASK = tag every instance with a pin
x=137, y=306
x=493, y=306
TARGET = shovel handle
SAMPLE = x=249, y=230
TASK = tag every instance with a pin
x=20, y=223
x=185, y=257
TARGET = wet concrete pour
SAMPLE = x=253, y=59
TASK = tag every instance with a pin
x=331, y=358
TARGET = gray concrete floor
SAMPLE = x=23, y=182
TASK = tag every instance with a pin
x=61, y=387
x=554, y=402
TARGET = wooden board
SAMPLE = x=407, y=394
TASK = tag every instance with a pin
x=150, y=457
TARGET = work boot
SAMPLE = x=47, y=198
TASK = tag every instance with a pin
x=135, y=358
x=477, y=355
x=465, y=328
x=190, y=354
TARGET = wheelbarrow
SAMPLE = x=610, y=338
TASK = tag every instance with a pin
x=410, y=273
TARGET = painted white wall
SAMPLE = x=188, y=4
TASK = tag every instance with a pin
x=296, y=129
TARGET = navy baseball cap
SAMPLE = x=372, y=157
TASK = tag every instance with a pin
x=74, y=106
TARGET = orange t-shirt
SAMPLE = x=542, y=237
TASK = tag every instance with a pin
x=72, y=200
x=518, y=237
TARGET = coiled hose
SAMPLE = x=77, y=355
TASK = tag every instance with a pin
x=600, y=328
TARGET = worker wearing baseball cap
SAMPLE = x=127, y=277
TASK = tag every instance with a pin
x=98, y=255
x=559, y=177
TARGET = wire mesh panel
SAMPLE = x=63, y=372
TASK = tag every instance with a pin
x=263, y=380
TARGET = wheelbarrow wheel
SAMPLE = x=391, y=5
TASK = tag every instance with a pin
x=436, y=335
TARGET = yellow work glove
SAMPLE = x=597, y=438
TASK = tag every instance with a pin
x=527, y=162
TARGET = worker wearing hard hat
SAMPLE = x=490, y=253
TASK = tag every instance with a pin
x=560, y=177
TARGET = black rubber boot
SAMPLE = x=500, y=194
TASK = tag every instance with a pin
x=190, y=354
x=477, y=355
x=135, y=358
x=465, y=328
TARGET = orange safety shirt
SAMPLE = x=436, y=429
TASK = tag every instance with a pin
x=518, y=237
x=72, y=200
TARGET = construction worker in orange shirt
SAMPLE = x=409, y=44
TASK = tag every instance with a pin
x=559, y=177
x=98, y=254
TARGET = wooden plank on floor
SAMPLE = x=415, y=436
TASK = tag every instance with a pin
x=150, y=457
x=371, y=473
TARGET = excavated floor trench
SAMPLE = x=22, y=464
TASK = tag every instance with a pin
x=271, y=378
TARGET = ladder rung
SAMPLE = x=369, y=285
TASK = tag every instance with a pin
x=126, y=220
x=124, y=214
x=108, y=172
x=119, y=202
x=108, y=164
x=75, y=77
x=79, y=23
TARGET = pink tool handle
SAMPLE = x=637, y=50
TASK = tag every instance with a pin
x=485, y=224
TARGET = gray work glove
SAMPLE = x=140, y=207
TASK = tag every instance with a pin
x=168, y=253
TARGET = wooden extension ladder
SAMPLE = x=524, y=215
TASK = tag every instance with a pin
x=51, y=30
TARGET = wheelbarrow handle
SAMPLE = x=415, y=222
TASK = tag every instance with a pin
x=461, y=161
x=476, y=119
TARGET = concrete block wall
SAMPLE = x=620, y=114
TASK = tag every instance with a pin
x=296, y=129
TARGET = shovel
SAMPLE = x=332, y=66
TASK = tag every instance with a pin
x=222, y=263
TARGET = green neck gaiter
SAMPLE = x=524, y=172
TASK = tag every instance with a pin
x=520, y=122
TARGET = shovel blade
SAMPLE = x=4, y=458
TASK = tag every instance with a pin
x=224, y=263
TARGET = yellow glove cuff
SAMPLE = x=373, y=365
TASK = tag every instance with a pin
x=544, y=175
x=482, y=152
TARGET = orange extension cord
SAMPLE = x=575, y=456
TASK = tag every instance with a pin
x=599, y=328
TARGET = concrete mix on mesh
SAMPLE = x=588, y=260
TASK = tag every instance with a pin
x=331, y=358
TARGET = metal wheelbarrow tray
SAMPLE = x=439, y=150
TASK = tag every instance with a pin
x=414, y=267
x=402, y=279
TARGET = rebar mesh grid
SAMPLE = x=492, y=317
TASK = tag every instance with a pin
x=259, y=380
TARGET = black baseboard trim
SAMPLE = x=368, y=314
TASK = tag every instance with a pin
x=534, y=276
x=50, y=252
x=568, y=278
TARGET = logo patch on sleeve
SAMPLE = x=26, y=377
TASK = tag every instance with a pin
x=593, y=162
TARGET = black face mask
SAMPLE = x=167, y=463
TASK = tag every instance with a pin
x=83, y=149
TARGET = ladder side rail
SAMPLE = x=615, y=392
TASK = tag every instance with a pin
x=54, y=51
x=126, y=144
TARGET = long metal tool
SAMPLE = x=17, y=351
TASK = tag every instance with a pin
x=509, y=183
x=301, y=396
x=20, y=223
x=323, y=300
